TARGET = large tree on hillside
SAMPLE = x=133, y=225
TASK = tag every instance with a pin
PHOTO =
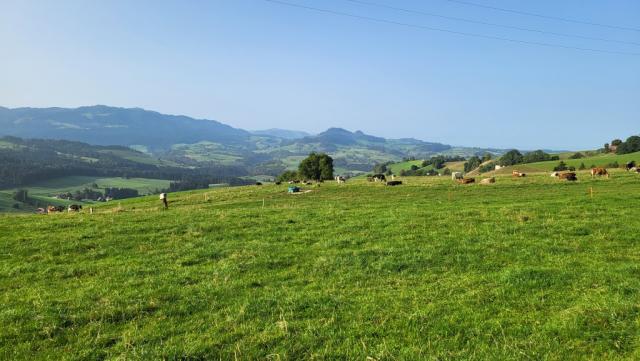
x=630, y=146
x=511, y=157
x=317, y=166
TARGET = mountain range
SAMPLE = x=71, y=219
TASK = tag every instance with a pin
x=187, y=140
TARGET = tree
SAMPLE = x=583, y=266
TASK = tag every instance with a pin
x=380, y=168
x=616, y=142
x=582, y=166
x=511, y=157
x=21, y=195
x=487, y=167
x=486, y=157
x=538, y=156
x=414, y=167
x=576, y=155
x=446, y=171
x=473, y=163
x=631, y=145
x=317, y=166
x=606, y=148
x=438, y=162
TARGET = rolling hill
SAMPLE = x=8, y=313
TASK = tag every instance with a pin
x=187, y=141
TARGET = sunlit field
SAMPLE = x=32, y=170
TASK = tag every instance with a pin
x=527, y=268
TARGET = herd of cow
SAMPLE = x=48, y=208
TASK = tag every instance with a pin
x=455, y=176
x=568, y=176
x=60, y=209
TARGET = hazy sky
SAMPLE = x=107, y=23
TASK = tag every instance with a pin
x=255, y=64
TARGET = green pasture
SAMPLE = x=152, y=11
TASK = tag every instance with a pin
x=525, y=269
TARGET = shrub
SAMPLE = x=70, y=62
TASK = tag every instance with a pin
x=576, y=155
x=560, y=167
x=287, y=176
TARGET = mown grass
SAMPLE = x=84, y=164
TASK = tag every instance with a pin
x=528, y=268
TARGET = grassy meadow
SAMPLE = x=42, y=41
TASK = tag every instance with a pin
x=525, y=269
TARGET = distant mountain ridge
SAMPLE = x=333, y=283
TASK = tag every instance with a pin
x=281, y=133
x=191, y=141
x=103, y=125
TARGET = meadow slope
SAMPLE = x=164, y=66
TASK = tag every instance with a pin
x=529, y=268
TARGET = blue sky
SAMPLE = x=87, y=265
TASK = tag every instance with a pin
x=254, y=64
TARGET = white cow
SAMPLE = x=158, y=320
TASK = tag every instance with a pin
x=456, y=175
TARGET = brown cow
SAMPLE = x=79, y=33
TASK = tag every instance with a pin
x=394, y=183
x=599, y=172
x=515, y=173
x=488, y=180
x=570, y=176
x=466, y=180
x=55, y=209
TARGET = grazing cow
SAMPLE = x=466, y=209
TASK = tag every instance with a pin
x=629, y=166
x=340, y=179
x=570, y=176
x=74, y=208
x=599, y=172
x=394, y=183
x=456, y=175
x=55, y=209
x=258, y=183
x=41, y=211
x=466, y=180
x=278, y=183
x=488, y=180
x=515, y=173
x=379, y=178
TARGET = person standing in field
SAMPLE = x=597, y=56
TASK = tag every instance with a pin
x=163, y=198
